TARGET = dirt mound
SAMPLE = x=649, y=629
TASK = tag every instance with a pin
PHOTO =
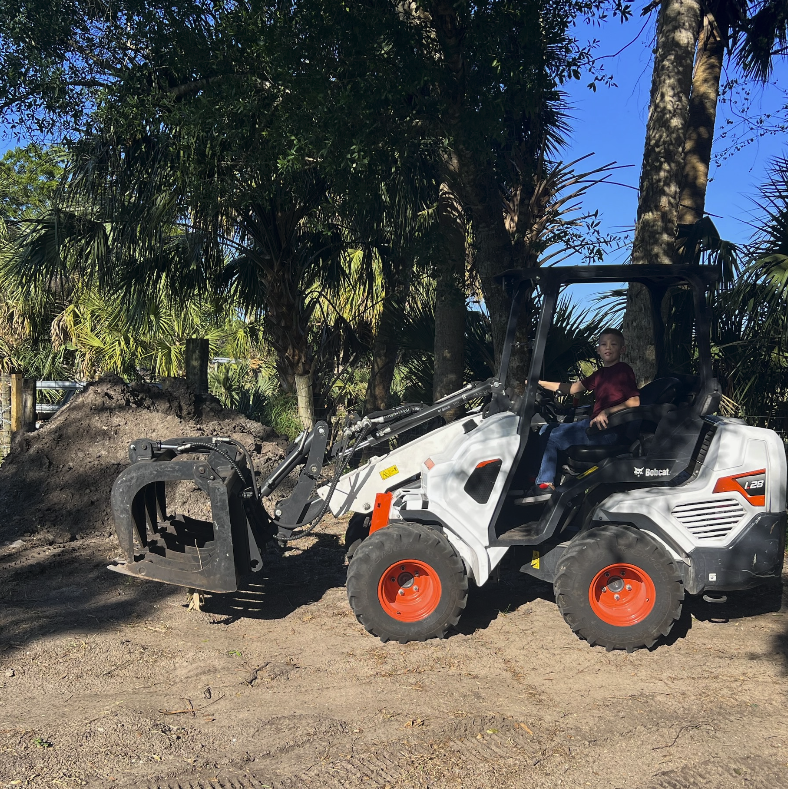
x=55, y=485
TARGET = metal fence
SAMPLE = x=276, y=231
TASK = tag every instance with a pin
x=68, y=388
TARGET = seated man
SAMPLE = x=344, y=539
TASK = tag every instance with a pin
x=614, y=389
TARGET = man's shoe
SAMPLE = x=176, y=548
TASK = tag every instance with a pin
x=537, y=494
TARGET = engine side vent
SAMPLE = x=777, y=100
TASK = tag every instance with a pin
x=709, y=519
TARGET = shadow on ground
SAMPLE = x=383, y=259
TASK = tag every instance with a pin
x=50, y=590
x=285, y=583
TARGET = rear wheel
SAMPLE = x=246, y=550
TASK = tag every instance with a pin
x=618, y=587
x=407, y=583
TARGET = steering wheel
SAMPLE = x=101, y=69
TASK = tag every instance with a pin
x=544, y=400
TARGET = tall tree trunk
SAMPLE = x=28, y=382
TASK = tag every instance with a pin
x=306, y=399
x=386, y=345
x=702, y=116
x=471, y=177
x=384, y=359
x=449, y=297
x=287, y=332
x=660, y=177
x=493, y=248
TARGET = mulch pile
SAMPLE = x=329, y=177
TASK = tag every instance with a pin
x=55, y=484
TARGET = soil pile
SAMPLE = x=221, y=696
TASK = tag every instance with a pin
x=55, y=485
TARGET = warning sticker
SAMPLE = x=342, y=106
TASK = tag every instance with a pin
x=535, y=560
x=389, y=472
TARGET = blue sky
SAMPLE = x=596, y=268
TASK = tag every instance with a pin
x=612, y=124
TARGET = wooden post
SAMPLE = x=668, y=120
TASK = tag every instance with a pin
x=16, y=402
x=196, y=358
x=5, y=415
x=28, y=403
x=23, y=403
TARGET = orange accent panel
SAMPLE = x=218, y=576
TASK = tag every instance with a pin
x=732, y=485
x=429, y=463
x=380, y=512
x=487, y=462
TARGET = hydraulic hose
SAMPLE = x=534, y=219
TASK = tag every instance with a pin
x=308, y=528
x=183, y=448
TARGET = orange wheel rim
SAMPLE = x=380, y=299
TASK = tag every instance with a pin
x=409, y=590
x=622, y=594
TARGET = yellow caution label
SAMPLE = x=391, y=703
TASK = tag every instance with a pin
x=389, y=472
x=535, y=560
x=586, y=473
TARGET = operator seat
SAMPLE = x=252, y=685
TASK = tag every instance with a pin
x=632, y=435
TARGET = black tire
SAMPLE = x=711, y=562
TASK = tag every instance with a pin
x=582, y=569
x=370, y=578
x=357, y=532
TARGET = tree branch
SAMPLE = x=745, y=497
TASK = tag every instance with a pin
x=194, y=87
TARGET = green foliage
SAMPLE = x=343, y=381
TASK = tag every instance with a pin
x=280, y=412
x=253, y=389
x=750, y=330
x=572, y=341
x=29, y=178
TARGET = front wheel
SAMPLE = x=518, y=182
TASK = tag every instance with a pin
x=618, y=587
x=407, y=583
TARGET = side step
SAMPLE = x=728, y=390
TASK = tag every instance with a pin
x=525, y=534
x=547, y=516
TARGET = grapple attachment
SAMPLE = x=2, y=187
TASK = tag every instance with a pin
x=160, y=544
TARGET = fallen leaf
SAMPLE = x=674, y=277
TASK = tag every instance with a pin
x=523, y=726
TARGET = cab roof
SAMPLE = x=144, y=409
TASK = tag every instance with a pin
x=660, y=274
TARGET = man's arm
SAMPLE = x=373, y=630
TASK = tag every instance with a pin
x=565, y=388
x=600, y=420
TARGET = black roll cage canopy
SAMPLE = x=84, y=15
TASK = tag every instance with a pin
x=657, y=279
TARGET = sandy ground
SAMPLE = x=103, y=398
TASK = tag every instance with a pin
x=109, y=681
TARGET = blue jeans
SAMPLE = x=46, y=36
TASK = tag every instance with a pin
x=562, y=437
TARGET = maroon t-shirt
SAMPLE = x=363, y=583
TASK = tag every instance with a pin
x=611, y=386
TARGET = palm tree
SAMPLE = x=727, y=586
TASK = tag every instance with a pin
x=450, y=295
x=682, y=115
x=660, y=176
x=754, y=33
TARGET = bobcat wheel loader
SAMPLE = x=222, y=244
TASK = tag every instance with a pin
x=684, y=501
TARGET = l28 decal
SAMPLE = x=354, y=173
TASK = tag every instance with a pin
x=751, y=485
